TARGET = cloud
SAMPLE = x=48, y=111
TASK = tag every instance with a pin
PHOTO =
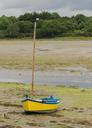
x=17, y=7
x=68, y=12
x=46, y=4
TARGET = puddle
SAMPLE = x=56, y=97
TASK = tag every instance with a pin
x=82, y=79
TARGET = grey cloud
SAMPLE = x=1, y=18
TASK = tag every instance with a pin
x=21, y=6
x=31, y=4
x=46, y=4
x=81, y=4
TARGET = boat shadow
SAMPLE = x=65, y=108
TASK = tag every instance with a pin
x=40, y=113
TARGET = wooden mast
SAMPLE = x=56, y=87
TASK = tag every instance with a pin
x=33, y=59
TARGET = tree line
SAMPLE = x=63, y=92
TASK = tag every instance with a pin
x=50, y=25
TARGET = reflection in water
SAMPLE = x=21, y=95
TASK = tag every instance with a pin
x=47, y=77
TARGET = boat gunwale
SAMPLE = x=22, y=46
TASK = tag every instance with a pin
x=40, y=101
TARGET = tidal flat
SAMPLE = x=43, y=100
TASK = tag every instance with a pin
x=75, y=109
x=50, y=54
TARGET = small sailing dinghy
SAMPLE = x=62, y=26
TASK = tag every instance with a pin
x=44, y=105
x=48, y=104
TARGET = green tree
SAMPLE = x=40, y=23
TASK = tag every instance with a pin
x=12, y=19
x=4, y=22
x=48, y=16
x=80, y=21
x=52, y=28
x=25, y=17
x=28, y=17
x=25, y=26
x=12, y=30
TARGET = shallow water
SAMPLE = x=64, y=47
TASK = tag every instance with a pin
x=82, y=79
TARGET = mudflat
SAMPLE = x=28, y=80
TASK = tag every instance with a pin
x=75, y=108
x=50, y=54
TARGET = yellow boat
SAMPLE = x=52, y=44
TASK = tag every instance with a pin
x=49, y=104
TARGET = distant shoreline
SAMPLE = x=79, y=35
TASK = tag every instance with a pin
x=56, y=38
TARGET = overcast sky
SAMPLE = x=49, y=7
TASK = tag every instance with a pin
x=63, y=7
